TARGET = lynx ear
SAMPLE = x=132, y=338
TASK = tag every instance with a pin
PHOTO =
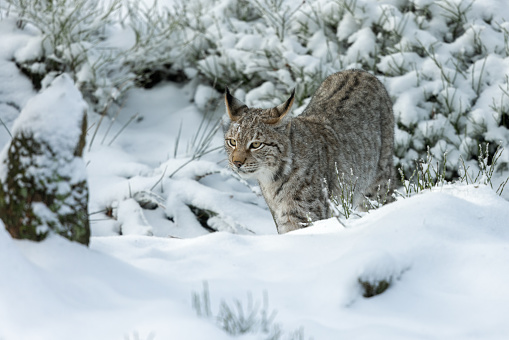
x=280, y=111
x=233, y=105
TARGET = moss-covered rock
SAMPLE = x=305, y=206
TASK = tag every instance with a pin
x=43, y=186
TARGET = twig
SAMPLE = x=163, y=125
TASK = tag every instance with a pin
x=123, y=127
x=111, y=124
x=159, y=180
x=5, y=126
x=195, y=157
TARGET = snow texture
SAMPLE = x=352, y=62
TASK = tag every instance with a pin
x=54, y=118
x=447, y=268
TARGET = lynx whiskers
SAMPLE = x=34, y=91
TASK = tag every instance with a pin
x=348, y=125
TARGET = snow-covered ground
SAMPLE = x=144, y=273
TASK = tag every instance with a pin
x=143, y=157
x=445, y=253
x=152, y=271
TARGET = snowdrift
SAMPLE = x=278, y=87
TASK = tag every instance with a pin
x=444, y=254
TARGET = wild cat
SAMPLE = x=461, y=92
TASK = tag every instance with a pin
x=348, y=125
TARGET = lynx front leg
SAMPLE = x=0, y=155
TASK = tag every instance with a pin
x=290, y=224
x=298, y=212
x=295, y=218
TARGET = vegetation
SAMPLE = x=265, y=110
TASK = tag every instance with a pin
x=238, y=318
x=302, y=43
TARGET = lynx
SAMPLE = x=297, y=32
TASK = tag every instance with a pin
x=347, y=128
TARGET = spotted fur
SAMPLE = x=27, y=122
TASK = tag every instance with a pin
x=348, y=125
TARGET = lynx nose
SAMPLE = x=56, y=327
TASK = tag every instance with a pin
x=238, y=164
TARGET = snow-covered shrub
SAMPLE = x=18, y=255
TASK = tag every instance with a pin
x=431, y=173
x=485, y=174
x=72, y=39
x=43, y=185
x=156, y=52
x=443, y=62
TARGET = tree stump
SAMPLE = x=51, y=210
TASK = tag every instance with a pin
x=43, y=183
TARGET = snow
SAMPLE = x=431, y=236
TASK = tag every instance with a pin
x=61, y=102
x=15, y=90
x=204, y=97
x=448, y=271
x=444, y=252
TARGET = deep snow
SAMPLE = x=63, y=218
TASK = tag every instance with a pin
x=446, y=253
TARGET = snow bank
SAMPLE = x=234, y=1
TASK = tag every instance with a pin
x=448, y=270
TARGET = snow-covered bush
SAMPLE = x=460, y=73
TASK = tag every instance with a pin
x=70, y=37
x=43, y=181
x=431, y=173
x=443, y=62
x=157, y=51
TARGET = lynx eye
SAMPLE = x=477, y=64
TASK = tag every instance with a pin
x=231, y=142
x=256, y=145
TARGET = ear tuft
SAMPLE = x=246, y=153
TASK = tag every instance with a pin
x=280, y=111
x=233, y=105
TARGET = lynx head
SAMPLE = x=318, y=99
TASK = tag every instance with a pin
x=256, y=139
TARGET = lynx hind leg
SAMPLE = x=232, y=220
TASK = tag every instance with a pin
x=385, y=181
x=383, y=186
